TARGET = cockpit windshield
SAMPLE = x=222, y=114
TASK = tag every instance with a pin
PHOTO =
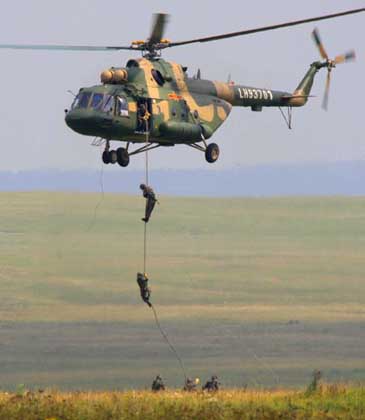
x=108, y=104
x=97, y=101
x=82, y=100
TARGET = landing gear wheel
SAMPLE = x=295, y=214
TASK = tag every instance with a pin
x=122, y=157
x=113, y=157
x=212, y=153
x=105, y=157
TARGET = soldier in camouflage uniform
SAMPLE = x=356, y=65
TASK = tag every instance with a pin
x=143, y=117
x=190, y=385
x=142, y=281
x=151, y=201
x=212, y=385
x=157, y=384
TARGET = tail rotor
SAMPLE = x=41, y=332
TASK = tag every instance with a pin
x=330, y=64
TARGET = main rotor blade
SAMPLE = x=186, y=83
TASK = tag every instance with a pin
x=264, y=28
x=318, y=42
x=158, y=28
x=62, y=47
x=326, y=91
x=343, y=58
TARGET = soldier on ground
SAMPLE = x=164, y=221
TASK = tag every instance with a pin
x=212, y=385
x=190, y=384
x=315, y=383
x=151, y=200
x=157, y=384
x=142, y=281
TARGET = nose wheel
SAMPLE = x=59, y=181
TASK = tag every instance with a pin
x=120, y=155
x=105, y=157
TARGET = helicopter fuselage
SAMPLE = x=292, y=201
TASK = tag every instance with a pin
x=180, y=109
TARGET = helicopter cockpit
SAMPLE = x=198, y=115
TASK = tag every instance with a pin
x=101, y=102
x=96, y=101
x=94, y=112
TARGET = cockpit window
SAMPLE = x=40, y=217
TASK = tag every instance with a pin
x=108, y=104
x=122, y=107
x=105, y=103
x=81, y=100
x=97, y=100
x=75, y=102
x=84, y=99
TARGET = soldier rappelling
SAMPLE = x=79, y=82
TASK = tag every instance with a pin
x=142, y=281
x=151, y=201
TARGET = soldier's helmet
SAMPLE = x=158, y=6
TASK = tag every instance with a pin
x=142, y=186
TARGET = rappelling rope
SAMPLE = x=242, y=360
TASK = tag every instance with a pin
x=145, y=249
x=102, y=196
x=164, y=335
x=146, y=180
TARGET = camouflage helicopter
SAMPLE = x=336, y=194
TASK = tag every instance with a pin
x=154, y=102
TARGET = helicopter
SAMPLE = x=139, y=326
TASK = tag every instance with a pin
x=153, y=103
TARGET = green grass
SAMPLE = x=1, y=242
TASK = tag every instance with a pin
x=329, y=402
x=228, y=276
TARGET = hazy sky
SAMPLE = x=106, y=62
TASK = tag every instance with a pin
x=34, y=84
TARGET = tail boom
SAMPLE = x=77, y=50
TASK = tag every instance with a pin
x=256, y=98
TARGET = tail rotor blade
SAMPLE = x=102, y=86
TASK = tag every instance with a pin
x=158, y=28
x=318, y=42
x=329, y=64
x=343, y=58
x=326, y=91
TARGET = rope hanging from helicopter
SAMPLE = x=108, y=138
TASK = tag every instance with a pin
x=146, y=118
x=147, y=182
x=157, y=322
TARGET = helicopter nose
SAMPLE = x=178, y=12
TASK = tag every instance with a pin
x=88, y=123
x=77, y=121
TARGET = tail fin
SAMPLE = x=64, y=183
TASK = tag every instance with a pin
x=302, y=92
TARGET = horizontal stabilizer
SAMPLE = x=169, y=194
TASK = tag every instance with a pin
x=297, y=96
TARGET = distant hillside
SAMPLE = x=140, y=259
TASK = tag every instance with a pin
x=343, y=178
x=257, y=291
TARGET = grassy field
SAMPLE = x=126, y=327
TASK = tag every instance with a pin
x=329, y=402
x=258, y=291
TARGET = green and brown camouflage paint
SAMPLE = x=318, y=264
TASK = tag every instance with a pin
x=184, y=109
